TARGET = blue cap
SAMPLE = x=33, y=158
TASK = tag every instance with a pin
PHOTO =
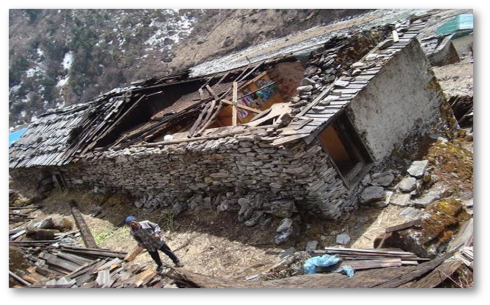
x=130, y=218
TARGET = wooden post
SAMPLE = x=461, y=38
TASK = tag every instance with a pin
x=235, y=97
x=131, y=256
x=87, y=237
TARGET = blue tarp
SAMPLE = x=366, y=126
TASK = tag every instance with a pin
x=15, y=135
x=309, y=267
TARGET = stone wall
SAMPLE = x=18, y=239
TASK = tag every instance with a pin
x=242, y=173
x=402, y=99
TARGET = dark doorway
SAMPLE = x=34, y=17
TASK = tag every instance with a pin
x=59, y=181
x=345, y=148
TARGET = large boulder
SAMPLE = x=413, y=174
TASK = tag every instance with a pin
x=372, y=194
x=280, y=208
x=432, y=234
x=41, y=234
x=53, y=222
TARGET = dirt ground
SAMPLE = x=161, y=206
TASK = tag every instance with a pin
x=456, y=79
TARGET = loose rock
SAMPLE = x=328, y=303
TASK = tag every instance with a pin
x=342, y=239
x=371, y=194
x=311, y=245
x=383, y=179
x=418, y=168
x=407, y=184
x=285, y=224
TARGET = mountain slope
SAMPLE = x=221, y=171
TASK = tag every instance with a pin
x=62, y=57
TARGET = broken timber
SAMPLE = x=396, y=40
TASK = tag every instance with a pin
x=87, y=237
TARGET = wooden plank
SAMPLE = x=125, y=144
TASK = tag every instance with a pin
x=133, y=254
x=199, y=119
x=226, y=102
x=201, y=94
x=438, y=275
x=420, y=271
x=91, y=252
x=320, y=97
x=304, y=123
x=234, y=115
x=87, y=237
x=403, y=226
x=60, y=263
x=19, y=279
x=210, y=120
x=74, y=258
x=287, y=139
x=213, y=94
x=463, y=236
x=144, y=277
x=373, y=264
x=395, y=36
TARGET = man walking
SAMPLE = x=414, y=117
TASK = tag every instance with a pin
x=147, y=235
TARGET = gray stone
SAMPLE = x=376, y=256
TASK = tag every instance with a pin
x=285, y=224
x=254, y=220
x=286, y=252
x=179, y=207
x=385, y=44
x=341, y=83
x=366, y=180
x=330, y=78
x=306, y=81
x=283, y=237
x=430, y=197
x=371, y=56
x=418, y=168
x=386, y=202
x=411, y=213
x=305, y=88
x=224, y=206
x=243, y=201
x=356, y=72
x=245, y=215
x=407, y=184
x=372, y=194
x=311, y=245
x=401, y=199
x=383, y=179
x=342, y=239
x=280, y=208
x=357, y=65
x=139, y=204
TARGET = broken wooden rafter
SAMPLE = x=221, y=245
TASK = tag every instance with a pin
x=229, y=134
x=403, y=226
x=242, y=107
x=213, y=94
x=198, y=120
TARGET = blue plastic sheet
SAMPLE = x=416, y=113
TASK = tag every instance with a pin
x=309, y=267
x=320, y=261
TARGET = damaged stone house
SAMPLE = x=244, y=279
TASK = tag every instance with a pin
x=273, y=137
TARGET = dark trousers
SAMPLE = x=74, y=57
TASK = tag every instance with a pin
x=165, y=249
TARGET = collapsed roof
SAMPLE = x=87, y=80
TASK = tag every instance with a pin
x=182, y=107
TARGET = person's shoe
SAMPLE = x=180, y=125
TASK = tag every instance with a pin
x=159, y=269
x=179, y=264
